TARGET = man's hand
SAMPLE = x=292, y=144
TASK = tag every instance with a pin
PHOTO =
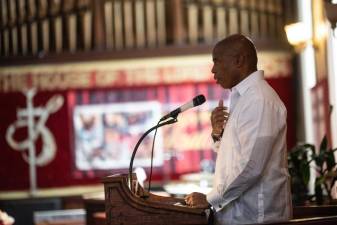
x=219, y=117
x=197, y=200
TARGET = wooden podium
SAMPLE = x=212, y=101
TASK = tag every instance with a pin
x=125, y=206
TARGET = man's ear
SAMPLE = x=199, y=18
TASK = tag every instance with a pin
x=240, y=60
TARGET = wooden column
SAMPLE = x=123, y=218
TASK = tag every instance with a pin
x=13, y=27
x=43, y=26
x=207, y=23
x=279, y=21
x=128, y=24
x=4, y=28
x=118, y=24
x=108, y=24
x=140, y=25
x=262, y=9
x=70, y=25
x=23, y=36
x=244, y=17
x=178, y=24
x=221, y=25
x=56, y=25
x=32, y=20
x=192, y=23
x=150, y=23
x=161, y=22
x=254, y=19
x=98, y=24
x=233, y=17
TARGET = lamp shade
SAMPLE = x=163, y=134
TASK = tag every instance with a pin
x=297, y=33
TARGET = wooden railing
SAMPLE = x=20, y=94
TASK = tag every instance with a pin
x=134, y=24
x=39, y=29
x=210, y=20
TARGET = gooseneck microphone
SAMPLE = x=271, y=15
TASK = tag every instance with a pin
x=198, y=100
x=160, y=124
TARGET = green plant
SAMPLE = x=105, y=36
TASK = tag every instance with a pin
x=299, y=160
x=299, y=171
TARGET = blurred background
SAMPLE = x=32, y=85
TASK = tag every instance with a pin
x=82, y=80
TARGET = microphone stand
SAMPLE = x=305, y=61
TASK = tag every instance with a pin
x=171, y=121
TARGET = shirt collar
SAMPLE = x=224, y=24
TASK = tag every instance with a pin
x=252, y=78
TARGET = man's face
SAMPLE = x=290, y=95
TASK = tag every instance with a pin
x=226, y=74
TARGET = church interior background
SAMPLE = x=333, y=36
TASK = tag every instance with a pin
x=81, y=81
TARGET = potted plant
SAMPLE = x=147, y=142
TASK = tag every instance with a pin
x=299, y=160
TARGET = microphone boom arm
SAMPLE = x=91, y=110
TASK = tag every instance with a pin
x=171, y=121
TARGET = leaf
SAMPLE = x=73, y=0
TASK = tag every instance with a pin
x=333, y=181
x=309, y=146
x=319, y=180
x=330, y=160
x=324, y=144
x=330, y=174
x=319, y=160
x=305, y=173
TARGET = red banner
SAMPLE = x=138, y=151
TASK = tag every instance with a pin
x=44, y=121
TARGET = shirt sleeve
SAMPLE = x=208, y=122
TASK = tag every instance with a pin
x=257, y=128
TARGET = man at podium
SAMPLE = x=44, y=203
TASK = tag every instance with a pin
x=251, y=183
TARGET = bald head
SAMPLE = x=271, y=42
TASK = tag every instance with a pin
x=234, y=59
x=238, y=45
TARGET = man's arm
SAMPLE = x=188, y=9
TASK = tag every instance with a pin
x=219, y=118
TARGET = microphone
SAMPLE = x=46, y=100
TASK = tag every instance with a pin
x=198, y=100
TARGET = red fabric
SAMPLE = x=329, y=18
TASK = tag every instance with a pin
x=61, y=172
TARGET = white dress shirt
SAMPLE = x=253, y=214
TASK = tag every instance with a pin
x=252, y=183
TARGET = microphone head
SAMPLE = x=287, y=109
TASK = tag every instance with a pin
x=198, y=100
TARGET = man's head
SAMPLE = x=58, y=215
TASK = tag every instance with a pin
x=234, y=59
